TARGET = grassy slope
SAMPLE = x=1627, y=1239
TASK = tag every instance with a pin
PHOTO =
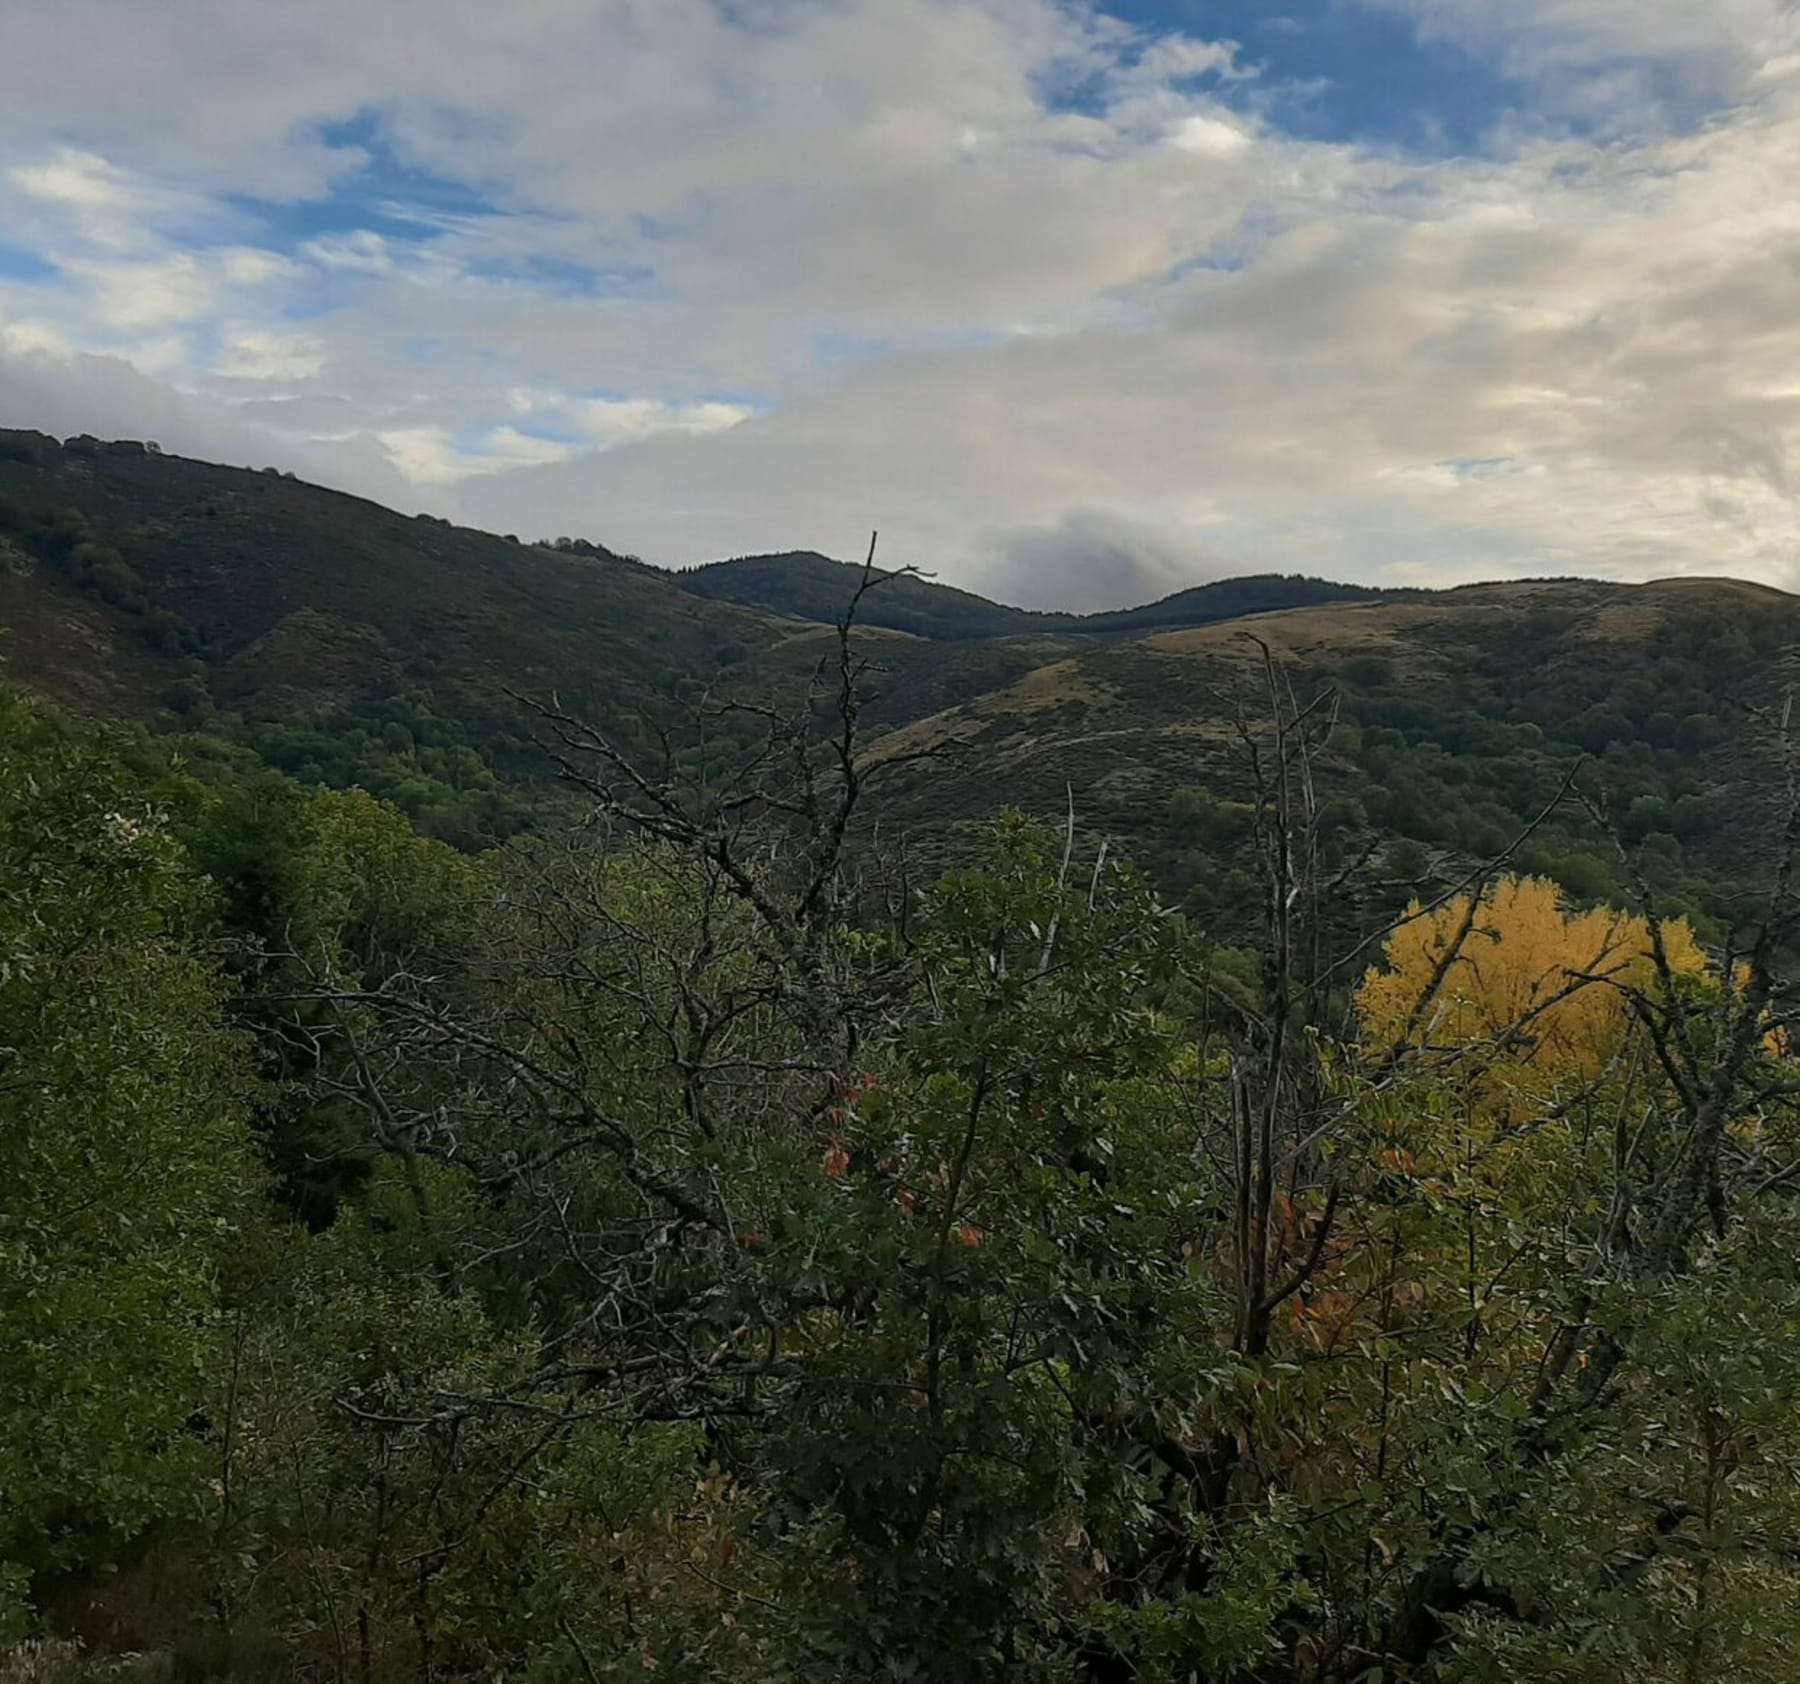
x=1462, y=713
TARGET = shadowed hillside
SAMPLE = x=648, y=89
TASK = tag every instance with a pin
x=123, y=565
x=343, y=643
x=810, y=586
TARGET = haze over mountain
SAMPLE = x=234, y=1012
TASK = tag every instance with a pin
x=1079, y=302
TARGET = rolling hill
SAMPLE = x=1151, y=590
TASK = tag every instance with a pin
x=341, y=642
x=124, y=568
x=810, y=586
x=1461, y=714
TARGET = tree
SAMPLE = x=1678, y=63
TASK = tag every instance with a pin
x=122, y=1122
x=1586, y=1181
x=771, y=1265
x=1543, y=989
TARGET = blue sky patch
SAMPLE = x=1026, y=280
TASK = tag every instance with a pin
x=1342, y=72
x=381, y=194
x=18, y=264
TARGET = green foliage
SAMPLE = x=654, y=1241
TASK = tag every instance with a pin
x=1459, y=779
x=440, y=1246
x=684, y=1290
x=320, y=889
x=399, y=750
x=122, y=1118
x=1203, y=819
x=366, y=1503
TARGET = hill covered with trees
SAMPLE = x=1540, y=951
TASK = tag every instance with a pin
x=810, y=586
x=267, y=622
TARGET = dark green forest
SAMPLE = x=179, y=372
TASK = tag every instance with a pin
x=687, y=1229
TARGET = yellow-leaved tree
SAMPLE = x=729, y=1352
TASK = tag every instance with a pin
x=1533, y=993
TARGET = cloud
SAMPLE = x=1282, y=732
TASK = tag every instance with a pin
x=141, y=295
x=1211, y=137
x=1093, y=559
x=1055, y=301
x=1565, y=362
x=62, y=393
x=261, y=354
x=1629, y=66
x=1538, y=33
x=613, y=421
x=558, y=429
x=426, y=455
x=79, y=180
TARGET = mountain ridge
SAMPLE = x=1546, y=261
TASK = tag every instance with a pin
x=809, y=585
x=340, y=642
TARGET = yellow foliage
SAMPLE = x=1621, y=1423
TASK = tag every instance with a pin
x=1531, y=976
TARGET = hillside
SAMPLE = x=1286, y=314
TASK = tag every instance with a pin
x=300, y=600
x=338, y=639
x=1461, y=715
x=344, y=643
x=810, y=586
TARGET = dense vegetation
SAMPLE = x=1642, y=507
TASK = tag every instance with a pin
x=810, y=586
x=316, y=629
x=698, y=1241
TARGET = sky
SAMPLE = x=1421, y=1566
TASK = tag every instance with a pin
x=1077, y=303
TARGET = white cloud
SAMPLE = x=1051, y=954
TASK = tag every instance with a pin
x=859, y=265
x=247, y=266
x=434, y=456
x=144, y=294
x=614, y=421
x=107, y=206
x=361, y=250
x=426, y=455
x=77, y=179
x=261, y=354
x=1212, y=137
x=26, y=337
x=1634, y=66
x=515, y=447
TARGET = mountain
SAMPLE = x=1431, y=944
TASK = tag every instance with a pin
x=810, y=586
x=336, y=639
x=1227, y=599
x=341, y=643
x=125, y=567
x=1462, y=713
